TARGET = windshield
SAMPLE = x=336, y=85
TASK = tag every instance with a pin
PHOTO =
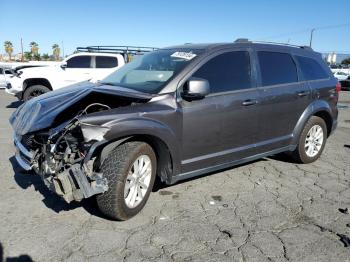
x=151, y=72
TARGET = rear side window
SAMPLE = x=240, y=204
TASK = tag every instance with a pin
x=277, y=68
x=311, y=69
x=106, y=62
x=227, y=72
x=79, y=62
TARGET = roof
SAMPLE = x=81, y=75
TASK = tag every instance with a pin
x=244, y=43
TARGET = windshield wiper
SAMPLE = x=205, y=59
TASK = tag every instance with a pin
x=107, y=83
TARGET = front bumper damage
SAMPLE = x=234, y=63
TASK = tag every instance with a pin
x=61, y=135
x=73, y=184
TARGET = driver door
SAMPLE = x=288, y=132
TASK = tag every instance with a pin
x=222, y=127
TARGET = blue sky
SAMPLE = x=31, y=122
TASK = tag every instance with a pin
x=162, y=23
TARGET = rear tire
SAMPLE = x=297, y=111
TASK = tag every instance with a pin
x=312, y=141
x=122, y=176
x=34, y=91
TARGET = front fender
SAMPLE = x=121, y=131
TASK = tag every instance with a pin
x=124, y=129
x=314, y=108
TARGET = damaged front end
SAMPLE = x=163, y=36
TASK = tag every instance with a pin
x=59, y=157
x=53, y=138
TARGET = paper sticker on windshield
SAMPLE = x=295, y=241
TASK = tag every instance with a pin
x=184, y=55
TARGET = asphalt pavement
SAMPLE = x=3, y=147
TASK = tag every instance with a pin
x=267, y=210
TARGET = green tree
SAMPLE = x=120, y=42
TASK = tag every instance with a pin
x=56, y=51
x=45, y=57
x=37, y=57
x=8, y=48
x=28, y=55
x=34, y=48
x=346, y=61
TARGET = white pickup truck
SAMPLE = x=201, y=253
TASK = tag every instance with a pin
x=28, y=82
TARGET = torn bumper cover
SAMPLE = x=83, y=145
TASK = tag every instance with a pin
x=74, y=183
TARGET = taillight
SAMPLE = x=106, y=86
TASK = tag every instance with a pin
x=338, y=87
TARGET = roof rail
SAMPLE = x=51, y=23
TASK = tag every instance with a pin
x=126, y=51
x=245, y=40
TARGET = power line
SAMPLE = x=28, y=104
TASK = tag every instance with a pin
x=307, y=30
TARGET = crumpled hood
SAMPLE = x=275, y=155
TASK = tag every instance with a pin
x=41, y=112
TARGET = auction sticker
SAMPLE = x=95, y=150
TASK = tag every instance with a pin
x=184, y=55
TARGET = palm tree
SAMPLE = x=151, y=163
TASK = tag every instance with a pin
x=8, y=48
x=56, y=51
x=34, y=47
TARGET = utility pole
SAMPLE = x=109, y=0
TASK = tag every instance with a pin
x=312, y=32
x=22, y=50
x=62, y=50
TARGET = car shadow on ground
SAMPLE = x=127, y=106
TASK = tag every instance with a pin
x=27, y=179
x=15, y=104
x=57, y=204
x=158, y=185
x=21, y=258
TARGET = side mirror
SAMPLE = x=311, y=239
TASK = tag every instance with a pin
x=64, y=65
x=195, y=89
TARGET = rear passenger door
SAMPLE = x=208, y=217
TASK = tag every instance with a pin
x=283, y=98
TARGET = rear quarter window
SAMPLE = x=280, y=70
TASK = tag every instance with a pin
x=311, y=69
x=277, y=68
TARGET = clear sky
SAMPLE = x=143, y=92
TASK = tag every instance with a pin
x=168, y=22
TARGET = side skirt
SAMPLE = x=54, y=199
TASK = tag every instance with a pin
x=207, y=170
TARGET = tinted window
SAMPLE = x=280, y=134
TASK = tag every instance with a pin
x=227, y=72
x=106, y=62
x=277, y=68
x=311, y=69
x=79, y=62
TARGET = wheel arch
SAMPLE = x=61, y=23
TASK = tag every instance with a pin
x=319, y=108
x=165, y=161
x=36, y=81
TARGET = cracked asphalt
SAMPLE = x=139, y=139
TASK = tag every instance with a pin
x=267, y=210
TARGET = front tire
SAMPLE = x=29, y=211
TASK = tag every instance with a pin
x=312, y=141
x=34, y=91
x=130, y=170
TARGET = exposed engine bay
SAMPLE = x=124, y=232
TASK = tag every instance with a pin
x=62, y=155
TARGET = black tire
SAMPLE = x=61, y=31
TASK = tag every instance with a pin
x=34, y=91
x=115, y=168
x=299, y=154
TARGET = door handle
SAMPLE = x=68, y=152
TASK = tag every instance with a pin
x=303, y=93
x=249, y=102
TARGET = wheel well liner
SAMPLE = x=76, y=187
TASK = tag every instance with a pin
x=163, y=154
x=327, y=118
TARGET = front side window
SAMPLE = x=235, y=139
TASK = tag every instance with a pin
x=79, y=62
x=106, y=62
x=151, y=72
x=311, y=69
x=277, y=68
x=227, y=72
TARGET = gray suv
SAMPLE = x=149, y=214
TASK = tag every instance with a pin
x=176, y=113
